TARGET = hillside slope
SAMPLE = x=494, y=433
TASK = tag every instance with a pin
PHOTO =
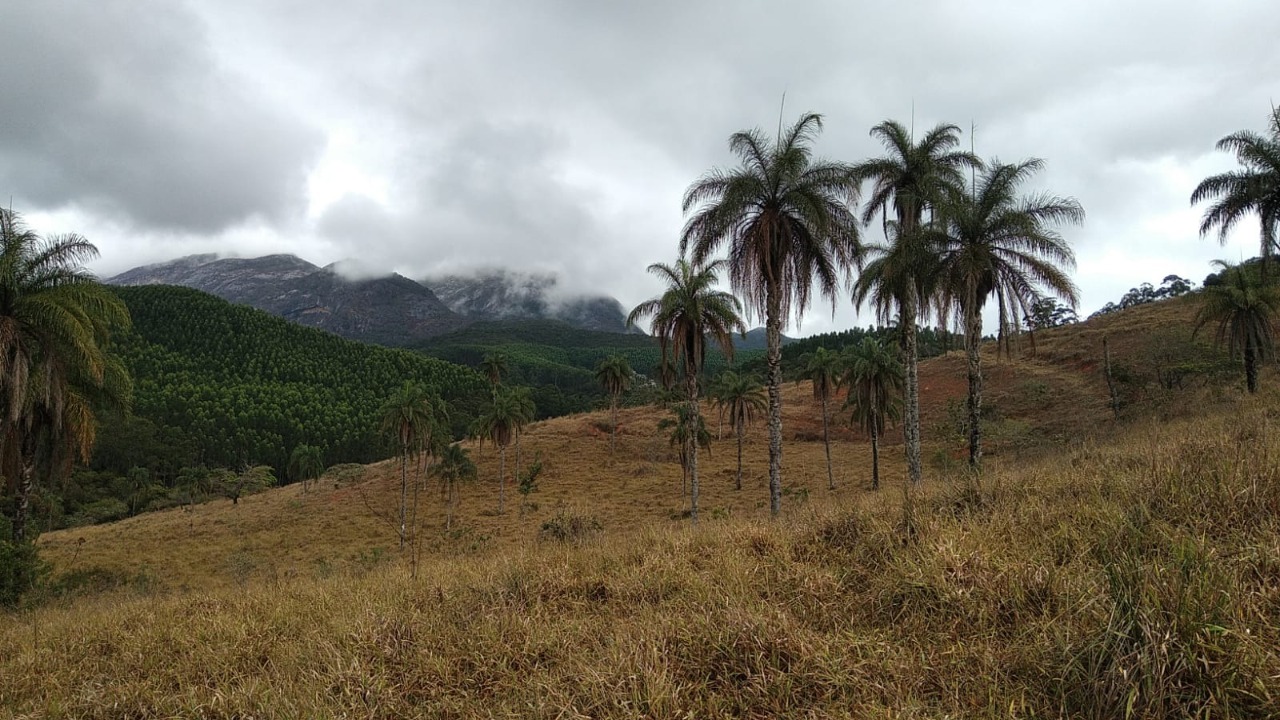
x=1037, y=404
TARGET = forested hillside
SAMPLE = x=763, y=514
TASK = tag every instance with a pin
x=218, y=385
x=558, y=361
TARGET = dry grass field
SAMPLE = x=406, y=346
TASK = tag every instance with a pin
x=1100, y=569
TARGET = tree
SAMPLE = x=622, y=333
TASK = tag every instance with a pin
x=306, y=463
x=912, y=178
x=688, y=433
x=410, y=418
x=235, y=485
x=1254, y=189
x=785, y=218
x=614, y=375
x=1244, y=308
x=506, y=416
x=1047, y=312
x=453, y=468
x=822, y=367
x=494, y=366
x=56, y=369
x=874, y=378
x=688, y=314
x=743, y=397
x=997, y=243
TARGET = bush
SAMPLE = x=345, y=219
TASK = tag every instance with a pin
x=570, y=527
x=100, y=511
x=20, y=568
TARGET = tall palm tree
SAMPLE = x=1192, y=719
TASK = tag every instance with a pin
x=410, y=417
x=306, y=463
x=1254, y=189
x=996, y=243
x=501, y=424
x=685, y=317
x=494, y=366
x=56, y=322
x=614, y=375
x=743, y=397
x=785, y=217
x=874, y=378
x=912, y=177
x=1245, y=309
x=454, y=467
x=822, y=367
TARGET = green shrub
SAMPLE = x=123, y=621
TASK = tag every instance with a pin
x=20, y=568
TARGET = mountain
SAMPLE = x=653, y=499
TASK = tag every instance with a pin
x=390, y=310
x=505, y=295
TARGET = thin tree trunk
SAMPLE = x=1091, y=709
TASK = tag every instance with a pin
x=1250, y=367
x=404, y=493
x=613, y=431
x=911, y=413
x=875, y=459
x=773, y=340
x=502, y=479
x=23, y=508
x=691, y=382
x=738, y=482
x=826, y=444
x=1111, y=383
x=973, y=336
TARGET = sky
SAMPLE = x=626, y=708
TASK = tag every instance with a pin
x=559, y=136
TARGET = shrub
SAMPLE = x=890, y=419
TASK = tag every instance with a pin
x=568, y=526
x=20, y=568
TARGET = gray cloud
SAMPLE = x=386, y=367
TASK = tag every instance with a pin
x=558, y=136
x=120, y=108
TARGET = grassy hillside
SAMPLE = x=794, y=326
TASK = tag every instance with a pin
x=1104, y=567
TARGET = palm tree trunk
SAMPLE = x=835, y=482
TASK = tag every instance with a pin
x=826, y=444
x=613, y=430
x=773, y=341
x=738, y=482
x=972, y=338
x=23, y=508
x=911, y=413
x=502, y=479
x=875, y=459
x=691, y=381
x=404, y=493
x=1250, y=367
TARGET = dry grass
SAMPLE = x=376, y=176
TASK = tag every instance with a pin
x=1119, y=571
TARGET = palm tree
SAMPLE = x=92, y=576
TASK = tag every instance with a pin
x=688, y=435
x=527, y=410
x=455, y=466
x=684, y=317
x=996, y=243
x=743, y=397
x=1245, y=308
x=410, y=417
x=501, y=424
x=614, y=375
x=306, y=463
x=822, y=367
x=1252, y=190
x=494, y=366
x=56, y=322
x=786, y=220
x=874, y=378
x=912, y=177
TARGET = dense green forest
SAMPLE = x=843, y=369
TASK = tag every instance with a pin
x=218, y=385
x=557, y=360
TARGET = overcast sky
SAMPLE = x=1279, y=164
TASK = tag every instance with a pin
x=559, y=135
